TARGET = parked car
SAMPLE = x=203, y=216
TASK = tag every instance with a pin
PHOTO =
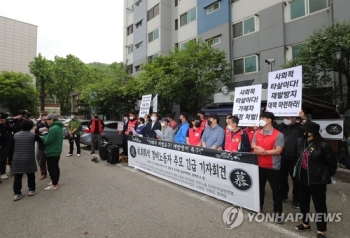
x=109, y=134
x=65, y=124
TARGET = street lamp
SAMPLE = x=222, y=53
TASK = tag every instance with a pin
x=338, y=55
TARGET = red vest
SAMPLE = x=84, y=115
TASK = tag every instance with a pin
x=131, y=124
x=100, y=129
x=194, y=136
x=233, y=140
x=173, y=124
x=204, y=123
x=266, y=142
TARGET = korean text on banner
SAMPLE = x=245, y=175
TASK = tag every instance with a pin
x=120, y=125
x=155, y=103
x=233, y=178
x=145, y=105
x=284, y=95
x=246, y=105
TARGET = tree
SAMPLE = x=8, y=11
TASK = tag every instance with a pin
x=317, y=57
x=187, y=77
x=69, y=75
x=18, y=92
x=42, y=69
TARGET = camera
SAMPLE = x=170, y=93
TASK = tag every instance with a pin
x=269, y=61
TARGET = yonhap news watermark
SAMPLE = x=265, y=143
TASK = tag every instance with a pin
x=233, y=217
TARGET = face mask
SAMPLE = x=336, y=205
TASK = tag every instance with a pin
x=153, y=118
x=162, y=124
x=209, y=123
x=262, y=123
x=96, y=116
x=73, y=116
x=180, y=121
x=131, y=118
x=197, y=124
x=226, y=121
x=229, y=128
x=125, y=118
x=287, y=121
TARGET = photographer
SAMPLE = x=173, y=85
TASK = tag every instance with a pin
x=5, y=144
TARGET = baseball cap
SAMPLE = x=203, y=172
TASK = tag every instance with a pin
x=165, y=119
x=51, y=116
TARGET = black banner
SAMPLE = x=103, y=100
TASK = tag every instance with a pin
x=242, y=157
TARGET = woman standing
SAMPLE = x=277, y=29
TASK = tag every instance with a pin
x=23, y=161
x=313, y=171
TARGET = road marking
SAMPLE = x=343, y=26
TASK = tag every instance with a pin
x=205, y=198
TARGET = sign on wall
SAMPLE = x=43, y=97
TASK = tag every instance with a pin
x=284, y=95
x=246, y=105
x=233, y=178
x=145, y=105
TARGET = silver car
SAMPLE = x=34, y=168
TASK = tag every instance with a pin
x=109, y=134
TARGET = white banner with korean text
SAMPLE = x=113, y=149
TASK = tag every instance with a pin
x=284, y=94
x=145, y=105
x=155, y=103
x=247, y=104
x=233, y=178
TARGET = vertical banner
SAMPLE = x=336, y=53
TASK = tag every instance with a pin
x=145, y=105
x=230, y=177
x=155, y=103
x=284, y=93
x=247, y=104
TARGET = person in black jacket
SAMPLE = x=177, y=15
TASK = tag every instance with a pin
x=291, y=131
x=313, y=171
x=42, y=129
x=151, y=126
x=6, y=138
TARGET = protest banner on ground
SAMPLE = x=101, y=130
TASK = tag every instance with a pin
x=155, y=103
x=233, y=178
x=284, y=95
x=145, y=105
x=247, y=104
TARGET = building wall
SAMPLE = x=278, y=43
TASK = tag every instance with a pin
x=18, y=45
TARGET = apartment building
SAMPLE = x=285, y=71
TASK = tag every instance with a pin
x=18, y=45
x=249, y=31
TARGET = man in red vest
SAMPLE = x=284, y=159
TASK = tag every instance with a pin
x=268, y=144
x=96, y=127
x=236, y=139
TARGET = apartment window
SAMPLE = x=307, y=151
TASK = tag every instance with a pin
x=246, y=65
x=300, y=8
x=177, y=45
x=130, y=49
x=137, y=68
x=213, y=7
x=244, y=27
x=129, y=30
x=130, y=68
x=138, y=45
x=138, y=3
x=176, y=24
x=176, y=3
x=214, y=41
x=183, y=44
x=138, y=24
x=153, y=35
x=188, y=17
x=131, y=9
x=152, y=57
x=153, y=12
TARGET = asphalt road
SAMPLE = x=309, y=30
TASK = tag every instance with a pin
x=97, y=200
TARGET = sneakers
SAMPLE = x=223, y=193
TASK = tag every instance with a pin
x=284, y=199
x=18, y=197
x=301, y=227
x=42, y=177
x=295, y=205
x=69, y=155
x=4, y=176
x=92, y=152
x=32, y=192
x=78, y=155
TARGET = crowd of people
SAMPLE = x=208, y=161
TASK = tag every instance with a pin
x=293, y=148
x=26, y=144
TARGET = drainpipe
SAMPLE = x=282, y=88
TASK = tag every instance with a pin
x=230, y=35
